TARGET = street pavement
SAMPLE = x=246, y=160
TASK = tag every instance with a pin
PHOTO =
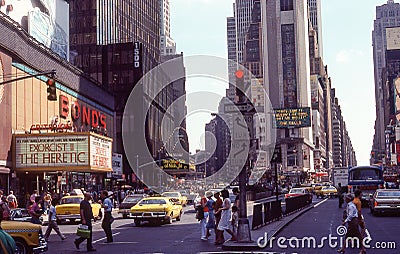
x=184, y=236
x=324, y=220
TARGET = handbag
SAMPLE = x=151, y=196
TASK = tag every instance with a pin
x=83, y=231
x=199, y=212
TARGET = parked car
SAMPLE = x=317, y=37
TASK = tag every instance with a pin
x=385, y=201
x=69, y=208
x=28, y=237
x=127, y=203
x=175, y=194
x=156, y=210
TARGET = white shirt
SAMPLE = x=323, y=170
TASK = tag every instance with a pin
x=351, y=212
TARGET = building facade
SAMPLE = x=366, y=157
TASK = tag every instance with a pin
x=45, y=144
x=387, y=15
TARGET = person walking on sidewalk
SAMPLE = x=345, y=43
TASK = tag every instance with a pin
x=219, y=235
x=211, y=216
x=106, y=203
x=226, y=214
x=203, y=221
x=86, y=219
x=53, y=222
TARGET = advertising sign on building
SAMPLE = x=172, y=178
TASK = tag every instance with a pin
x=393, y=38
x=292, y=118
x=137, y=55
x=45, y=20
x=117, y=164
x=62, y=151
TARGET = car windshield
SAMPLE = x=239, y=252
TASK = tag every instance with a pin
x=131, y=199
x=171, y=194
x=296, y=191
x=153, y=202
x=389, y=194
x=75, y=200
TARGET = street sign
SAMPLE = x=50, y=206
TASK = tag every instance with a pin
x=234, y=108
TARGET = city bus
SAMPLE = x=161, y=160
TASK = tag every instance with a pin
x=367, y=179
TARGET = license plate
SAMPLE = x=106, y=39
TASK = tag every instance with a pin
x=146, y=214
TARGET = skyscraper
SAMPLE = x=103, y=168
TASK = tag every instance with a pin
x=286, y=68
x=314, y=10
x=387, y=15
x=117, y=42
x=167, y=44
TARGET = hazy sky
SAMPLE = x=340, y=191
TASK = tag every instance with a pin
x=199, y=27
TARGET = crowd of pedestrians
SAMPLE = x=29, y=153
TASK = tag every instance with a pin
x=218, y=214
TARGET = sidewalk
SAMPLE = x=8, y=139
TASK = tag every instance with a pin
x=268, y=231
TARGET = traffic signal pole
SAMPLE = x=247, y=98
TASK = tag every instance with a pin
x=52, y=73
x=243, y=231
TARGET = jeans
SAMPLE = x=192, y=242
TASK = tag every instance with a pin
x=203, y=224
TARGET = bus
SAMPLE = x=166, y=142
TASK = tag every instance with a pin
x=367, y=179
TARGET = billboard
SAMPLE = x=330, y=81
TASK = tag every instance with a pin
x=45, y=20
x=393, y=38
x=62, y=151
x=292, y=118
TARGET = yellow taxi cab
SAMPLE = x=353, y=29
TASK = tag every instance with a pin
x=156, y=210
x=69, y=208
x=28, y=237
x=328, y=191
x=176, y=194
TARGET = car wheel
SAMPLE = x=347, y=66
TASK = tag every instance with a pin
x=125, y=216
x=22, y=248
x=137, y=223
x=169, y=221
x=59, y=221
x=179, y=217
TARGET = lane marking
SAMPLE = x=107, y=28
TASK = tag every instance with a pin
x=104, y=238
x=321, y=202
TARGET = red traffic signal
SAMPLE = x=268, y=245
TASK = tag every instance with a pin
x=239, y=74
x=51, y=90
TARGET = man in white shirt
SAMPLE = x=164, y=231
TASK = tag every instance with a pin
x=53, y=222
x=107, y=220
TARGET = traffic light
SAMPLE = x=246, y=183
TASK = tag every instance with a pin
x=51, y=90
x=239, y=74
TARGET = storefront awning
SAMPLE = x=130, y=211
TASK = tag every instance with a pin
x=4, y=170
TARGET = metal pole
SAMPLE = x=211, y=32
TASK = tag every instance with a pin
x=276, y=180
x=243, y=233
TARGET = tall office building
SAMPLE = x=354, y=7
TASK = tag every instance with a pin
x=167, y=44
x=116, y=43
x=286, y=68
x=314, y=10
x=387, y=15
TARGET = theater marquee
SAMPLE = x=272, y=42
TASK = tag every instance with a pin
x=62, y=151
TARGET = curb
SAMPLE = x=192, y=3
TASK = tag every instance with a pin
x=301, y=212
x=254, y=245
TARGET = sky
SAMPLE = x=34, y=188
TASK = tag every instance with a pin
x=199, y=27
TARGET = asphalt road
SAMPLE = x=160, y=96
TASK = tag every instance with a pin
x=324, y=220
x=178, y=237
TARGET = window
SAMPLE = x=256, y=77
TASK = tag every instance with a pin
x=286, y=5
